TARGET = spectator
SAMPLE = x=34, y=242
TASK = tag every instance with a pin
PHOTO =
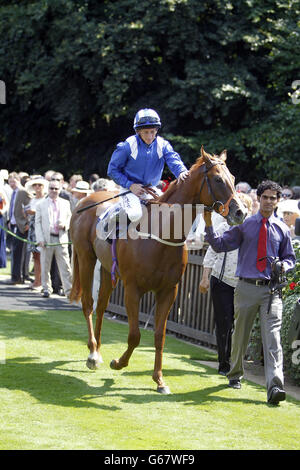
x=5, y=186
x=260, y=236
x=296, y=192
x=73, y=180
x=38, y=187
x=219, y=273
x=289, y=211
x=93, y=177
x=62, y=192
x=103, y=184
x=23, y=179
x=18, y=225
x=49, y=174
x=255, y=203
x=243, y=187
x=7, y=193
x=81, y=190
x=52, y=222
x=287, y=193
x=54, y=272
x=3, y=210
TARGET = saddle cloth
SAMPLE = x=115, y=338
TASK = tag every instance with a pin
x=112, y=223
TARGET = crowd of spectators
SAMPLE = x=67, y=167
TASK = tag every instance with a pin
x=35, y=212
x=20, y=193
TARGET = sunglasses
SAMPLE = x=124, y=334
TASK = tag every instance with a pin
x=56, y=179
x=54, y=189
x=289, y=195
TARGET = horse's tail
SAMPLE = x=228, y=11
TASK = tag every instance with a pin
x=76, y=291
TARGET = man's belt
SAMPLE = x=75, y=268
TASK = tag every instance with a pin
x=54, y=234
x=256, y=282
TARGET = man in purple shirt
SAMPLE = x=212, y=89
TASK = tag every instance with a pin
x=252, y=294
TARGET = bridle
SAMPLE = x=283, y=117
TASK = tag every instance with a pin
x=225, y=206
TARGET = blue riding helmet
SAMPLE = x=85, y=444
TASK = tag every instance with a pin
x=146, y=118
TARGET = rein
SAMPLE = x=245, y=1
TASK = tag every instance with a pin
x=154, y=237
x=224, y=212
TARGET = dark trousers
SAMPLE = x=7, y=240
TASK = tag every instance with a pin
x=55, y=276
x=18, y=256
x=222, y=297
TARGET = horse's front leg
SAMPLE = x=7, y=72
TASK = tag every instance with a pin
x=132, y=301
x=164, y=302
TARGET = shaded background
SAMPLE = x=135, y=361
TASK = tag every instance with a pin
x=219, y=73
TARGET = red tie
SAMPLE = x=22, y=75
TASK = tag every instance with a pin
x=262, y=246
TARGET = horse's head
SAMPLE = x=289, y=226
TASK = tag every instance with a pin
x=216, y=187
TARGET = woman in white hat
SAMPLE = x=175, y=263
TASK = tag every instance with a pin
x=38, y=186
x=289, y=211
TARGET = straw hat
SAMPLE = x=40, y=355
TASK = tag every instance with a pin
x=36, y=180
x=82, y=187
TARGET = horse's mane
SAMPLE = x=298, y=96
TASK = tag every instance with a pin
x=171, y=189
x=200, y=161
x=174, y=185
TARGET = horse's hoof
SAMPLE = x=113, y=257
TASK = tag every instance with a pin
x=92, y=364
x=113, y=364
x=93, y=361
x=164, y=390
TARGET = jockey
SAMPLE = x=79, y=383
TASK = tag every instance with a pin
x=139, y=161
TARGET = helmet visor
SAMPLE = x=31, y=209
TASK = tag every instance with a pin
x=147, y=121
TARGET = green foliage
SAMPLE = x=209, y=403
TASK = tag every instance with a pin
x=291, y=295
x=291, y=368
x=293, y=277
x=219, y=73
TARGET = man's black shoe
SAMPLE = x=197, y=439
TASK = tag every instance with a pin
x=46, y=294
x=13, y=282
x=276, y=396
x=235, y=383
x=223, y=369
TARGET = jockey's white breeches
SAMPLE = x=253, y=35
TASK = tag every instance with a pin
x=132, y=203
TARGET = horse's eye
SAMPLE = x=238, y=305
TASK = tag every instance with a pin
x=218, y=179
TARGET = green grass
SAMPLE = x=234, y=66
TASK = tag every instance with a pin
x=50, y=400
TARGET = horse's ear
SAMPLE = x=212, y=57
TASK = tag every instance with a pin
x=206, y=157
x=223, y=155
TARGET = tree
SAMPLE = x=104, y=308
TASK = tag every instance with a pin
x=218, y=73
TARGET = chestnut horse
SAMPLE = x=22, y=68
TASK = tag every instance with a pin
x=145, y=264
